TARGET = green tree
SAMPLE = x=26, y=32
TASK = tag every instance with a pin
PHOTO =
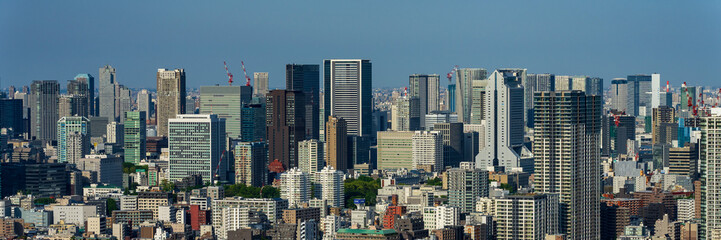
x=362, y=187
x=434, y=182
x=167, y=186
x=111, y=206
x=44, y=201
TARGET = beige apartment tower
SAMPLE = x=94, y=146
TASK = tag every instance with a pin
x=336, y=137
x=171, y=97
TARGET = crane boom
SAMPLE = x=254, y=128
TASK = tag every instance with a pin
x=247, y=79
x=230, y=75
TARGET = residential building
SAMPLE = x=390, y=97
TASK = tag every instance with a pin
x=710, y=154
x=465, y=186
x=152, y=200
x=531, y=216
x=295, y=187
x=310, y=157
x=251, y=163
x=336, y=130
x=427, y=150
x=406, y=114
x=331, y=181
x=73, y=138
x=171, y=97
x=440, y=217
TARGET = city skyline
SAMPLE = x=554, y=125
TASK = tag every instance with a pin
x=606, y=40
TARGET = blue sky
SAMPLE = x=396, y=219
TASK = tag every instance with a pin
x=58, y=39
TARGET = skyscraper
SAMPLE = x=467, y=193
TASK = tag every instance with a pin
x=252, y=122
x=425, y=88
x=73, y=139
x=464, y=91
x=305, y=78
x=665, y=128
x=639, y=88
x=226, y=102
x=134, y=139
x=504, y=128
x=12, y=115
x=428, y=150
x=82, y=88
x=567, y=158
x=251, y=163
x=171, y=97
x=44, y=109
x=196, y=144
x=123, y=101
x=710, y=174
x=106, y=93
x=336, y=143
x=285, y=125
x=311, y=157
x=260, y=83
x=620, y=95
x=406, y=114
x=348, y=86
x=331, y=181
x=295, y=187
x=452, y=134
x=145, y=103
x=478, y=100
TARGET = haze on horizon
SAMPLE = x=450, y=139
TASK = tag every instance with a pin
x=59, y=39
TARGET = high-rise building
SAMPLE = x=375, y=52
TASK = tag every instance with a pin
x=331, y=181
x=710, y=153
x=79, y=90
x=452, y=134
x=73, y=139
x=226, y=102
x=348, y=93
x=311, y=157
x=306, y=78
x=439, y=117
x=260, y=83
x=134, y=136
x=251, y=163
x=639, y=88
x=395, y=150
x=285, y=125
x=197, y=145
x=145, y=103
x=567, y=157
x=406, y=114
x=428, y=150
x=337, y=143
x=171, y=97
x=84, y=85
x=683, y=160
x=464, y=91
x=252, y=122
x=44, y=109
x=620, y=95
x=12, y=115
x=665, y=128
x=465, y=186
x=295, y=187
x=106, y=93
x=426, y=88
x=504, y=128
x=525, y=216
x=123, y=101
x=478, y=99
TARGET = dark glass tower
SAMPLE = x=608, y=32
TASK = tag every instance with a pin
x=306, y=78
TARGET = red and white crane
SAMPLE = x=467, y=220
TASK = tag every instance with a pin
x=230, y=75
x=247, y=79
x=450, y=74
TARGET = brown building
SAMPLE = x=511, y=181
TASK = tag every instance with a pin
x=300, y=215
x=697, y=198
x=682, y=160
x=664, y=125
x=171, y=97
x=336, y=135
x=285, y=125
x=657, y=196
x=632, y=204
x=449, y=233
x=614, y=219
x=11, y=228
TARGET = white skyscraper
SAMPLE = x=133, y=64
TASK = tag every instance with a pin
x=504, y=124
x=331, y=182
x=295, y=187
x=196, y=143
x=711, y=172
x=310, y=157
x=428, y=149
x=655, y=90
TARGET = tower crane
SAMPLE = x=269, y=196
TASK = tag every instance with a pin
x=247, y=79
x=230, y=75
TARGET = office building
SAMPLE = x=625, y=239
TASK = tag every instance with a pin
x=428, y=150
x=251, y=163
x=425, y=87
x=567, y=157
x=439, y=117
x=395, y=150
x=710, y=154
x=465, y=186
x=252, y=122
x=665, y=128
x=226, y=102
x=135, y=136
x=529, y=217
x=406, y=114
x=79, y=92
x=152, y=200
x=196, y=145
x=683, y=160
x=639, y=89
x=452, y=134
x=109, y=169
x=171, y=97
x=295, y=187
x=106, y=93
x=84, y=85
x=260, y=83
x=73, y=139
x=115, y=132
x=306, y=78
x=73, y=214
x=464, y=91
x=348, y=93
x=311, y=157
x=478, y=99
x=620, y=95
x=504, y=146
x=336, y=130
x=285, y=125
x=44, y=109
x=331, y=181
x=13, y=116
x=46, y=179
x=123, y=101
x=145, y=103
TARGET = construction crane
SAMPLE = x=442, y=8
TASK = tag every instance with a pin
x=247, y=79
x=450, y=74
x=216, y=176
x=230, y=75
